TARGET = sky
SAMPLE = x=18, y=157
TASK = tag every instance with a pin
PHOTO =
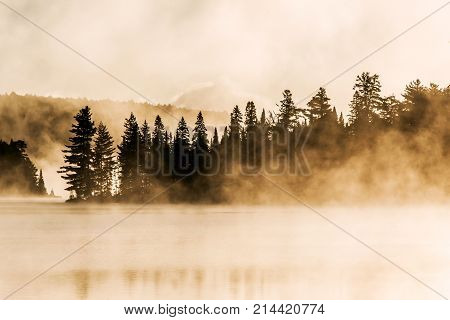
x=164, y=48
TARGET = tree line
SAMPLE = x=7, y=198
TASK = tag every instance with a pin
x=18, y=172
x=150, y=157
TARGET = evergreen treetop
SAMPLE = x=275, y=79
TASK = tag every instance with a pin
x=78, y=155
x=289, y=114
x=250, y=116
x=200, y=136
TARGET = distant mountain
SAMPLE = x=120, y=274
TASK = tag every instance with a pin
x=216, y=97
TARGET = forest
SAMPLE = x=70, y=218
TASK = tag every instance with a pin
x=294, y=145
x=19, y=175
x=385, y=147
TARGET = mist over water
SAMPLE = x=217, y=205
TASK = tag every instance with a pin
x=222, y=252
x=381, y=175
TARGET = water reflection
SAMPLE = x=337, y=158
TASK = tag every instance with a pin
x=253, y=253
x=84, y=280
x=177, y=283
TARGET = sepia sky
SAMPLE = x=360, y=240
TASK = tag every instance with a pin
x=163, y=48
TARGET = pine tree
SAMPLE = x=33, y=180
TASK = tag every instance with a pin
x=182, y=163
x=250, y=116
x=41, y=190
x=434, y=91
x=128, y=159
x=341, y=120
x=264, y=127
x=225, y=137
x=234, y=141
x=289, y=114
x=104, y=162
x=235, y=124
x=389, y=110
x=158, y=133
x=200, y=136
x=182, y=133
x=145, y=137
x=215, y=140
x=414, y=106
x=200, y=144
x=263, y=117
x=224, y=155
x=157, y=153
x=366, y=101
x=78, y=156
x=318, y=106
x=249, y=136
x=414, y=94
x=144, y=155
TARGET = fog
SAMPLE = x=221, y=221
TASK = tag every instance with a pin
x=391, y=190
x=163, y=49
x=217, y=252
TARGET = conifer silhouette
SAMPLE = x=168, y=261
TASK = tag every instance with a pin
x=128, y=159
x=104, y=162
x=41, y=190
x=78, y=156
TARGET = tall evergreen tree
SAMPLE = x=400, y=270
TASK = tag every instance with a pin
x=128, y=159
x=414, y=94
x=262, y=119
x=319, y=106
x=225, y=137
x=366, y=101
x=250, y=136
x=215, y=140
x=264, y=126
x=389, y=110
x=341, y=120
x=144, y=156
x=250, y=116
x=158, y=133
x=182, y=146
x=234, y=141
x=263, y=136
x=78, y=156
x=235, y=124
x=104, y=162
x=41, y=190
x=224, y=152
x=200, y=136
x=215, y=155
x=414, y=106
x=157, y=156
x=200, y=144
x=289, y=114
x=145, y=137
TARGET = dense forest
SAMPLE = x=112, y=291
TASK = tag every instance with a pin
x=386, y=147
x=18, y=173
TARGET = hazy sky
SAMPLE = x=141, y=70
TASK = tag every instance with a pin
x=163, y=48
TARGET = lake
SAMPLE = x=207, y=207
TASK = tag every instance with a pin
x=222, y=252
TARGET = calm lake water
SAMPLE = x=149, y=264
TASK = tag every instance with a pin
x=222, y=252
